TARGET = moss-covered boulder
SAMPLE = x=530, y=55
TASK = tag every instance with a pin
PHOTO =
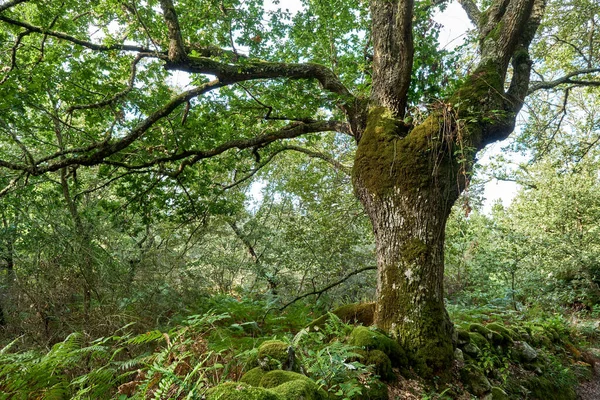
x=375, y=390
x=482, y=330
x=475, y=381
x=369, y=339
x=382, y=365
x=497, y=394
x=300, y=390
x=507, y=336
x=253, y=376
x=292, y=382
x=462, y=337
x=522, y=351
x=275, y=354
x=359, y=313
x=479, y=340
x=241, y=391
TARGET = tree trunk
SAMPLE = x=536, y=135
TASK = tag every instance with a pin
x=407, y=186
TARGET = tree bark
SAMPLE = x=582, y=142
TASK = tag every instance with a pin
x=408, y=179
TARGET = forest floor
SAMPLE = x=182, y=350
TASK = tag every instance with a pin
x=590, y=390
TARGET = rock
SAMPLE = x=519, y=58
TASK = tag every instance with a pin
x=382, y=364
x=253, y=376
x=524, y=352
x=300, y=389
x=497, y=394
x=360, y=313
x=458, y=355
x=471, y=349
x=475, y=380
x=275, y=354
x=462, y=337
x=482, y=330
x=368, y=339
x=240, y=391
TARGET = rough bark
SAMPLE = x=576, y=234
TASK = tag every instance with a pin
x=408, y=181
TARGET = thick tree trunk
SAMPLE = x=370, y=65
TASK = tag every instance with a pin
x=407, y=186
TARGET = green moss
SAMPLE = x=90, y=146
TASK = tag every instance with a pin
x=253, y=376
x=300, y=390
x=482, y=330
x=385, y=160
x=414, y=251
x=369, y=339
x=241, y=391
x=478, y=339
x=475, y=380
x=374, y=391
x=277, y=377
x=274, y=354
x=499, y=394
x=382, y=364
x=463, y=337
x=292, y=385
x=506, y=335
x=550, y=389
x=360, y=313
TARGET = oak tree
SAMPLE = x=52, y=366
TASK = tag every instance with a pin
x=91, y=84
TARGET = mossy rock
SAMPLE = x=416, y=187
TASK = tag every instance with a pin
x=275, y=354
x=497, y=394
x=542, y=388
x=359, y=313
x=482, y=330
x=290, y=381
x=375, y=390
x=475, y=381
x=369, y=339
x=463, y=337
x=501, y=329
x=241, y=391
x=382, y=364
x=300, y=390
x=479, y=340
x=253, y=376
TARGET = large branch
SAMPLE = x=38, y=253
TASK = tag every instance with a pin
x=107, y=148
x=73, y=39
x=232, y=73
x=393, y=53
x=190, y=157
x=176, y=48
x=10, y=4
x=472, y=11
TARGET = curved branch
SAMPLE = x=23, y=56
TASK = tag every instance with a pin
x=326, y=288
x=73, y=39
x=251, y=70
x=191, y=157
x=472, y=11
x=567, y=79
x=10, y=4
x=321, y=156
x=108, y=148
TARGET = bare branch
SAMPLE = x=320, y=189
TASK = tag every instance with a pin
x=73, y=39
x=326, y=288
x=322, y=156
x=118, y=95
x=568, y=79
x=10, y=4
